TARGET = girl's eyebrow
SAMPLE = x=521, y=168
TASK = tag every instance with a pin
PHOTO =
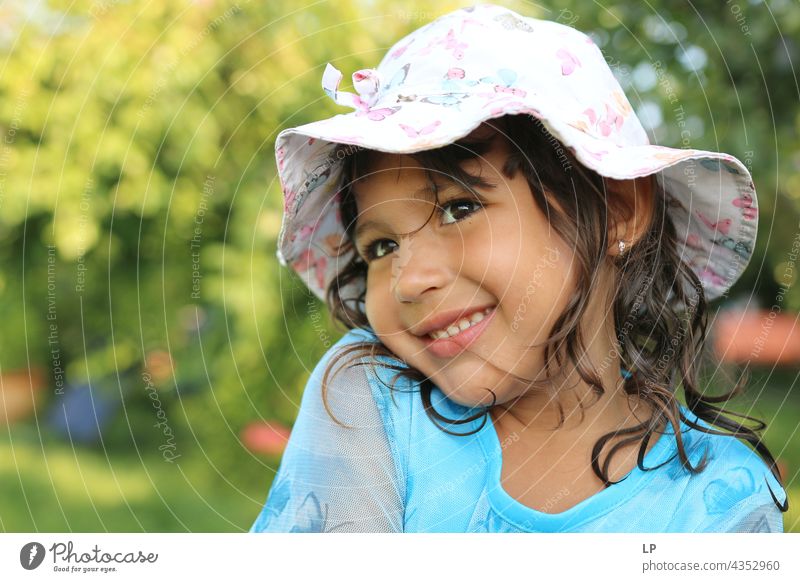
x=366, y=225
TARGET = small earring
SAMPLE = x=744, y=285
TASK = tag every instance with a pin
x=621, y=247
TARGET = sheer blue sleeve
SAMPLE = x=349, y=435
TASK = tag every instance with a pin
x=754, y=514
x=749, y=516
x=336, y=478
x=762, y=519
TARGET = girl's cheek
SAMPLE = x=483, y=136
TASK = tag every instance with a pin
x=379, y=302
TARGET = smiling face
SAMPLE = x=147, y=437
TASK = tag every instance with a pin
x=462, y=256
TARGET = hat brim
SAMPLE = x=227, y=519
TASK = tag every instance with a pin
x=712, y=199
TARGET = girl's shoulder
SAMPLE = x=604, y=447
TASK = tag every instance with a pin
x=380, y=370
x=340, y=470
x=397, y=398
x=377, y=379
x=396, y=391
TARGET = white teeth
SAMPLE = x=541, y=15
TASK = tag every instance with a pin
x=461, y=324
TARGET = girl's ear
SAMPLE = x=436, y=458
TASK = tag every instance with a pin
x=630, y=210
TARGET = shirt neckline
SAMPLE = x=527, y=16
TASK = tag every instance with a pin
x=529, y=519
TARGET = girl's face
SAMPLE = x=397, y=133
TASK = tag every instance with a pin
x=469, y=256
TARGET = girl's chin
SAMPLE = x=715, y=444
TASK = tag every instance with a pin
x=469, y=397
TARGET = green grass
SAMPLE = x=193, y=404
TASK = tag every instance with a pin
x=56, y=488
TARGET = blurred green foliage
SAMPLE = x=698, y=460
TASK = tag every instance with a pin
x=137, y=152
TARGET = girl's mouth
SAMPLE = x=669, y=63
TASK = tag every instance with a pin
x=456, y=339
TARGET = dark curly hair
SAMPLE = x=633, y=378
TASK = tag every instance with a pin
x=659, y=310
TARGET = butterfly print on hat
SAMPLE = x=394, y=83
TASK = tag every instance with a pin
x=722, y=226
x=304, y=232
x=455, y=73
x=450, y=42
x=709, y=275
x=741, y=248
x=412, y=132
x=455, y=81
x=474, y=21
x=288, y=199
x=446, y=99
x=510, y=90
x=695, y=242
x=502, y=82
x=308, y=260
x=622, y=103
x=511, y=22
x=406, y=98
x=745, y=202
x=378, y=114
x=612, y=120
x=453, y=44
x=398, y=52
x=280, y=155
x=397, y=79
x=316, y=178
x=715, y=165
x=569, y=62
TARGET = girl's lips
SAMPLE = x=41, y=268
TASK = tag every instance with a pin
x=450, y=346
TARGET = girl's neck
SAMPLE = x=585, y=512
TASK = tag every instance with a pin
x=534, y=417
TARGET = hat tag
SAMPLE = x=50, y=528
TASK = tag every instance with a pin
x=365, y=81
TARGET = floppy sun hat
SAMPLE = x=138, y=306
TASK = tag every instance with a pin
x=443, y=80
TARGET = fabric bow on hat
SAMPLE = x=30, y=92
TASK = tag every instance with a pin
x=365, y=81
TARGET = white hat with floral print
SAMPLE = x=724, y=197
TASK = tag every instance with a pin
x=440, y=82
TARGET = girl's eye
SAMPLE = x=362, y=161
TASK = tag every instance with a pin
x=460, y=204
x=372, y=250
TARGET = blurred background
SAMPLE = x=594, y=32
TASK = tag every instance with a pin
x=153, y=352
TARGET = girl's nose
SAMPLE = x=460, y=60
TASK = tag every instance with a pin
x=422, y=265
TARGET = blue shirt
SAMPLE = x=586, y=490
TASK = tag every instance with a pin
x=391, y=469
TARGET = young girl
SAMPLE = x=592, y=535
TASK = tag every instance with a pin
x=524, y=279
